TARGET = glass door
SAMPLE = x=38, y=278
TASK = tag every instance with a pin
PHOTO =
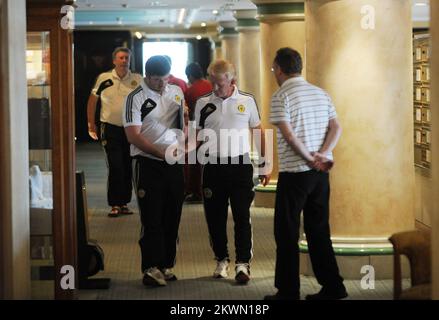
x=40, y=164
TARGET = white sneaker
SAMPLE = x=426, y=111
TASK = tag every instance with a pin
x=222, y=269
x=168, y=274
x=242, y=273
x=153, y=277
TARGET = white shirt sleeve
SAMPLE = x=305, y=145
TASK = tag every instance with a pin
x=132, y=115
x=255, y=119
x=278, y=110
x=98, y=82
x=331, y=110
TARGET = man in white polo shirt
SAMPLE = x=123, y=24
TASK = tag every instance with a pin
x=112, y=87
x=231, y=114
x=151, y=111
x=308, y=131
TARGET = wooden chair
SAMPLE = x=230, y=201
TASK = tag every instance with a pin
x=416, y=245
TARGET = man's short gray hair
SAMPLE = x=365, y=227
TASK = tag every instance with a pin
x=120, y=49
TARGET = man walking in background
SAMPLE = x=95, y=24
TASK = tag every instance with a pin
x=112, y=87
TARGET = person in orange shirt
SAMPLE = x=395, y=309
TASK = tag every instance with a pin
x=198, y=88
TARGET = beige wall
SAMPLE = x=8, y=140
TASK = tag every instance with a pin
x=368, y=74
x=14, y=228
x=434, y=9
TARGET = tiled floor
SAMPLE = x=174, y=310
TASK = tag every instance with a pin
x=118, y=238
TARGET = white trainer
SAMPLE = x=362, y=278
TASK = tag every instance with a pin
x=153, y=277
x=222, y=269
x=168, y=274
x=242, y=273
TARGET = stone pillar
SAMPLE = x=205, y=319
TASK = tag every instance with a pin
x=360, y=52
x=281, y=25
x=434, y=23
x=249, y=52
x=230, y=44
x=15, y=267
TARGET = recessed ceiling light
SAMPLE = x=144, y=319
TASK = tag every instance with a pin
x=199, y=37
x=215, y=12
x=181, y=16
x=203, y=24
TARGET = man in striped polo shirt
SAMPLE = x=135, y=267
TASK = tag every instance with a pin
x=307, y=132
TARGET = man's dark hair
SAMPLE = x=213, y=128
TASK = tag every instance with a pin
x=289, y=60
x=194, y=69
x=157, y=66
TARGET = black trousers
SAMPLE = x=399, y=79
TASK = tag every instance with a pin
x=221, y=183
x=117, y=151
x=160, y=195
x=307, y=191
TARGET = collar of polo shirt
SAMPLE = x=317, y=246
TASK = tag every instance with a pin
x=292, y=80
x=149, y=91
x=114, y=74
x=233, y=96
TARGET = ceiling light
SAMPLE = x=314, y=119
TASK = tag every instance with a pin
x=203, y=24
x=199, y=37
x=181, y=16
x=215, y=12
x=420, y=4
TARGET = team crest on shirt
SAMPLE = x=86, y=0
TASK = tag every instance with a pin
x=177, y=98
x=241, y=108
x=134, y=83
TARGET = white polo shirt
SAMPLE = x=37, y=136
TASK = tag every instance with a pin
x=156, y=113
x=237, y=114
x=113, y=96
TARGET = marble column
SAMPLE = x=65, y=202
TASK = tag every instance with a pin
x=249, y=52
x=281, y=25
x=230, y=44
x=15, y=266
x=434, y=23
x=360, y=52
